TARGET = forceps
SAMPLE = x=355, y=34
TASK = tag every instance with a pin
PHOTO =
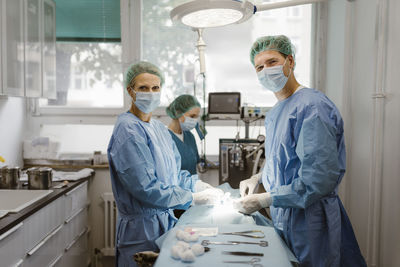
x=246, y=234
x=252, y=262
x=262, y=243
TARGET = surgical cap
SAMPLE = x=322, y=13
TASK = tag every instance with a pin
x=278, y=43
x=181, y=105
x=142, y=67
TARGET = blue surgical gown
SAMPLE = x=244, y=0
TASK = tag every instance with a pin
x=305, y=162
x=188, y=151
x=147, y=183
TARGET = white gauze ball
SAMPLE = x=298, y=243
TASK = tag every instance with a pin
x=176, y=252
x=188, y=256
x=190, y=238
x=197, y=249
x=194, y=238
x=183, y=244
x=180, y=235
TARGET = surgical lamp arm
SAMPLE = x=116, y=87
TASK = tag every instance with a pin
x=289, y=3
x=201, y=47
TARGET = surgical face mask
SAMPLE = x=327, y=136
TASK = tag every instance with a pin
x=147, y=101
x=273, y=78
x=188, y=124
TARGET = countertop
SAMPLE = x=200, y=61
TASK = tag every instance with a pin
x=63, y=164
x=12, y=219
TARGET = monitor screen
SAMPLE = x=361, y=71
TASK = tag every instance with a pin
x=224, y=103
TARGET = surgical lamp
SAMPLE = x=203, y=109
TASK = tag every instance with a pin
x=200, y=14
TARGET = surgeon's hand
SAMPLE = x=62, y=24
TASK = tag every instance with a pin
x=253, y=203
x=209, y=196
x=201, y=186
x=249, y=185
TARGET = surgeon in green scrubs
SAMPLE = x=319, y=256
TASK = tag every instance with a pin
x=185, y=111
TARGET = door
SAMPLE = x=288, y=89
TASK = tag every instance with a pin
x=49, y=49
x=13, y=47
x=33, y=50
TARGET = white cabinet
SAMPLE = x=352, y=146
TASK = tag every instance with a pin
x=43, y=222
x=77, y=253
x=33, y=48
x=76, y=227
x=11, y=251
x=55, y=235
x=28, y=48
x=49, y=49
x=13, y=47
x=47, y=250
x=75, y=200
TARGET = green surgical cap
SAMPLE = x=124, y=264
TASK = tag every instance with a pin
x=181, y=105
x=278, y=43
x=142, y=67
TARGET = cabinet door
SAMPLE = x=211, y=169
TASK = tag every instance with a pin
x=13, y=47
x=47, y=251
x=11, y=250
x=77, y=254
x=33, y=50
x=49, y=49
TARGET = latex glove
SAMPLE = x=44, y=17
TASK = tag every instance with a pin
x=249, y=185
x=201, y=186
x=253, y=203
x=208, y=196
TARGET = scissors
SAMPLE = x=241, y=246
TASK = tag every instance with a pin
x=252, y=262
x=247, y=234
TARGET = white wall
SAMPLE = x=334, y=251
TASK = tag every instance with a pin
x=352, y=76
x=12, y=129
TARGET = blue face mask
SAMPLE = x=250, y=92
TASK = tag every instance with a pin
x=188, y=124
x=146, y=101
x=273, y=78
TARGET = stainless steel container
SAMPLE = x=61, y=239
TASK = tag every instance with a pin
x=39, y=178
x=9, y=177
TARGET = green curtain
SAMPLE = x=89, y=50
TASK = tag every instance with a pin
x=88, y=20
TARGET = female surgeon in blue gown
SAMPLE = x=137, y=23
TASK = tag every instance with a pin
x=184, y=111
x=145, y=167
x=305, y=162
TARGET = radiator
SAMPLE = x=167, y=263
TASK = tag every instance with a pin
x=110, y=218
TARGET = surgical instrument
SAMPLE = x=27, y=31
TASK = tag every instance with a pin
x=243, y=253
x=261, y=243
x=247, y=234
x=208, y=242
x=252, y=262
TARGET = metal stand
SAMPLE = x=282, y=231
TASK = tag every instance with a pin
x=246, y=128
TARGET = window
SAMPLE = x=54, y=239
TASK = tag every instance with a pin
x=88, y=55
x=169, y=46
x=294, y=12
x=228, y=67
x=269, y=14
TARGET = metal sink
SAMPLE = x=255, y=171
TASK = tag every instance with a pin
x=16, y=200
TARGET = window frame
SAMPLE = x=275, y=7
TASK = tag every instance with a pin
x=128, y=27
x=131, y=26
x=290, y=13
